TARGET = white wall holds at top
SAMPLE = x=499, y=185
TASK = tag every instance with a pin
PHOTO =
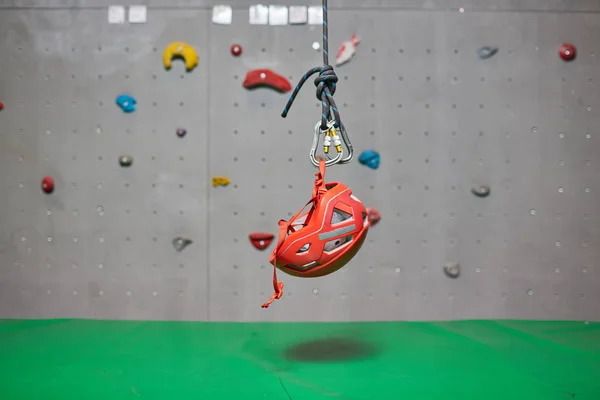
x=136, y=14
x=222, y=15
x=278, y=15
x=258, y=14
x=275, y=15
x=116, y=15
x=298, y=15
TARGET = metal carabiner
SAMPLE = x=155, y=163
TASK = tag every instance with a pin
x=332, y=137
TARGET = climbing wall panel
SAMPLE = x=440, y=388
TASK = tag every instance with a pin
x=444, y=122
x=522, y=122
x=100, y=245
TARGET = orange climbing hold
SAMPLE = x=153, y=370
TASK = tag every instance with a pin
x=567, y=51
x=266, y=78
x=261, y=240
x=48, y=184
x=374, y=216
x=236, y=50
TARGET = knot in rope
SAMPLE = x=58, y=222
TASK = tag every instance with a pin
x=325, y=83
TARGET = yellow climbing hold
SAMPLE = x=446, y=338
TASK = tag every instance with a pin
x=220, y=181
x=183, y=51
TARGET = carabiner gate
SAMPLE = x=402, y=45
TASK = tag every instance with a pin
x=332, y=137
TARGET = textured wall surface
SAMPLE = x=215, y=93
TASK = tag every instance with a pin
x=523, y=122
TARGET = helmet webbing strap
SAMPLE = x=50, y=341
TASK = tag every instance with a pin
x=285, y=226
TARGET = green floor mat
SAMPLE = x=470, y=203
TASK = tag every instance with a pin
x=113, y=360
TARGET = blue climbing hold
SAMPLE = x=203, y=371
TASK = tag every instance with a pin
x=370, y=158
x=126, y=102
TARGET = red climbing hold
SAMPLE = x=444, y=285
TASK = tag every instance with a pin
x=48, y=184
x=347, y=51
x=267, y=78
x=1, y=106
x=236, y=50
x=374, y=216
x=567, y=51
x=261, y=240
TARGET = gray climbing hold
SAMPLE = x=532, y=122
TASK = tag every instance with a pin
x=486, y=52
x=181, y=132
x=452, y=270
x=481, y=191
x=125, y=160
x=181, y=243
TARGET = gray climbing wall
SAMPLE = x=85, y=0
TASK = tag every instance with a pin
x=523, y=122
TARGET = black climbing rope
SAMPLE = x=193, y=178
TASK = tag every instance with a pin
x=325, y=83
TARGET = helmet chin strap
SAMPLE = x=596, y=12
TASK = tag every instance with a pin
x=286, y=226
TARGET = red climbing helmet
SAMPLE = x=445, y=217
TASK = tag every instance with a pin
x=323, y=236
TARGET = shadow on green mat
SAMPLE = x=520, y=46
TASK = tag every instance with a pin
x=330, y=349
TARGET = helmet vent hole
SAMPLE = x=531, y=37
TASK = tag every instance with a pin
x=337, y=243
x=302, y=268
x=365, y=217
x=339, y=216
x=303, y=249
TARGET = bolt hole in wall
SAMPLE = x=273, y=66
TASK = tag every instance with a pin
x=507, y=137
